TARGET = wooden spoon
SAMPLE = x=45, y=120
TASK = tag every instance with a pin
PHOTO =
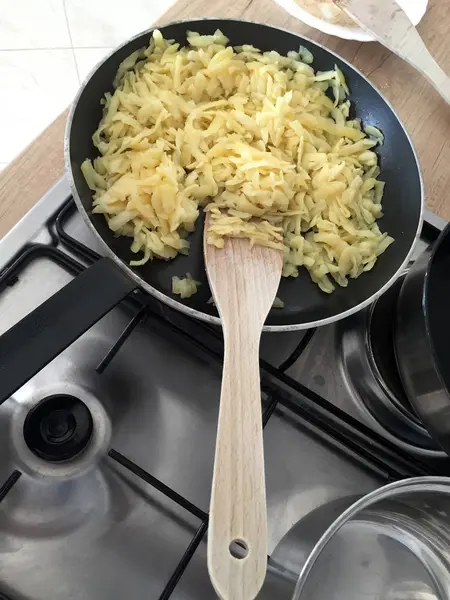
x=390, y=25
x=244, y=282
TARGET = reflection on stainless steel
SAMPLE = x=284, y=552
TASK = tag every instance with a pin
x=388, y=544
x=90, y=528
x=416, y=357
x=163, y=406
x=292, y=552
x=366, y=349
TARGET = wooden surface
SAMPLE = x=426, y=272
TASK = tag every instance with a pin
x=31, y=174
x=244, y=282
x=387, y=23
x=424, y=113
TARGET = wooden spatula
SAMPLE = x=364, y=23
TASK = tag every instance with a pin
x=390, y=25
x=244, y=282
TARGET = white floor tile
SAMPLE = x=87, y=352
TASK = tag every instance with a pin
x=36, y=86
x=103, y=23
x=87, y=58
x=33, y=24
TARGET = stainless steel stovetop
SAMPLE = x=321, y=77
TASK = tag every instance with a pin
x=127, y=517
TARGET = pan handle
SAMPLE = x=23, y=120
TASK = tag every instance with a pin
x=43, y=334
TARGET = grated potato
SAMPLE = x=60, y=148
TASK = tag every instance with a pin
x=278, y=303
x=185, y=287
x=252, y=137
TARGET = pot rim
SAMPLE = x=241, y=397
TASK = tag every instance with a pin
x=391, y=490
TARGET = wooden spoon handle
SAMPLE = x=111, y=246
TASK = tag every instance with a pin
x=237, y=539
x=390, y=25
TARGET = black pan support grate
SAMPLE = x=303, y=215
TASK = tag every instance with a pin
x=280, y=392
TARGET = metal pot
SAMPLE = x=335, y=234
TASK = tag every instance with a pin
x=393, y=544
x=421, y=338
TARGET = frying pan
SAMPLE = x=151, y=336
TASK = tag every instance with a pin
x=92, y=294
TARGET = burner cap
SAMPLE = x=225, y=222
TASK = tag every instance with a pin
x=58, y=428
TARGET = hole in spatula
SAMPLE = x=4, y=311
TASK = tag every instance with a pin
x=238, y=549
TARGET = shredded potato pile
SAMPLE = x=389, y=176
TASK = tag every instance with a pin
x=253, y=138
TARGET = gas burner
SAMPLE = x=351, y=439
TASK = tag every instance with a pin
x=57, y=431
x=370, y=370
x=58, y=428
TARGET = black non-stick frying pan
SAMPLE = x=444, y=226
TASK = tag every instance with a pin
x=305, y=305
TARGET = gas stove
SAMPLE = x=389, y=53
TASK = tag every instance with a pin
x=106, y=455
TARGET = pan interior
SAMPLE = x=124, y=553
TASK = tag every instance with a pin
x=303, y=300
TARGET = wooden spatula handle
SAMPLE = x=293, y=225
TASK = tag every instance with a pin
x=238, y=520
x=244, y=281
x=389, y=24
